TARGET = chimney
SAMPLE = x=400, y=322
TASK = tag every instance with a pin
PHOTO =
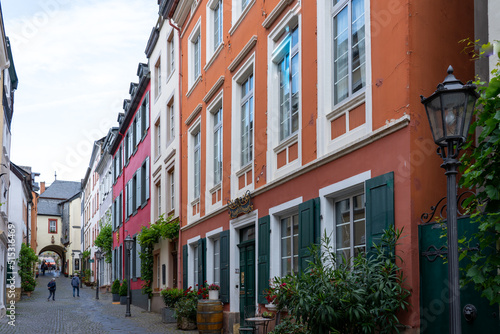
x=42, y=187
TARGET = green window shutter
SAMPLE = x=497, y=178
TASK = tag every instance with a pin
x=138, y=197
x=309, y=226
x=138, y=129
x=263, y=258
x=147, y=110
x=185, y=267
x=147, y=178
x=120, y=210
x=138, y=258
x=202, y=261
x=379, y=207
x=224, y=266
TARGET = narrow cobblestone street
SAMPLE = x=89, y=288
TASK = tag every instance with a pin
x=79, y=315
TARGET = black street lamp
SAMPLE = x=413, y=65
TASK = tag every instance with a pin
x=98, y=254
x=129, y=243
x=450, y=109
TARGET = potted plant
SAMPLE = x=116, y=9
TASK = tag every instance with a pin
x=115, y=290
x=170, y=298
x=123, y=293
x=185, y=310
x=213, y=291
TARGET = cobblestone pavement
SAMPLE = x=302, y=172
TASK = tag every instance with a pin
x=79, y=315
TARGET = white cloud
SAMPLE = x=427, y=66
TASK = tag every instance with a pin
x=74, y=63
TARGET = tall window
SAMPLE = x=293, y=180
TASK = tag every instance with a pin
x=289, y=245
x=289, y=85
x=158, y=194
x=171, y=121
x=171, y=180
x=170, y=54
x=197, y=164
x=158, y=138
x=349, y=48
x=218, y=146
x=195, y=266
x=247, y=121
x=244, y=3
x=217, y=261
x=350, y=232
x=196, y=57
x=217, y=23
x=158, y=77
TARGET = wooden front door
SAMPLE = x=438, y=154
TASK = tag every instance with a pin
x=247, y=276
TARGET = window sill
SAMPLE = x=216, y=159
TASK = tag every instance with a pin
x=215, y=188
x=214, y=56
x=244, y=169
x=195, y=83
x=287, y=142
x=351, y=103
x=242, y=16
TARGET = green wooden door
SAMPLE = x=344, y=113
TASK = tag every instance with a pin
x=434, y=304
x=247, y=277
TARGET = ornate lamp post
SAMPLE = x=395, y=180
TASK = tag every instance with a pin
x=129, y=243
x=98, y=254
x=449, y=110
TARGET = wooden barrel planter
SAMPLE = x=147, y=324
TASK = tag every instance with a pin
x=209, y=316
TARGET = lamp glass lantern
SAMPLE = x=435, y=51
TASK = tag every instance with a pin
x=450, y=109
x=129, y=243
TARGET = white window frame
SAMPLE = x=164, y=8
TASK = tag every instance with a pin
x=247, y=69
x=275, y=53
x=194, y=55
x=157, y=81
x=212, y=184
x=214, y=36
x=239, y=12
x=170, y=191
x=158, y=199
x=327, y=110
x=276, y=213
x=192, y=251
x=292, y=243
x=170, y=130
x=158, y=138
x=193, y=130
x=170, y=54
x=212, y=237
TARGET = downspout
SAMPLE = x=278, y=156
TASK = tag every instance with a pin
x=179, y=244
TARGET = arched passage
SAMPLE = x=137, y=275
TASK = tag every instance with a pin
x=59, y=250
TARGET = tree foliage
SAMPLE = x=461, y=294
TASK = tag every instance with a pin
x=149, y=236
x=27, y=260
x=340, y=296
x=481, y=170
x=104, y=240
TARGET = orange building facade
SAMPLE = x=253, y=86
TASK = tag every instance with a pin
x=310, y=110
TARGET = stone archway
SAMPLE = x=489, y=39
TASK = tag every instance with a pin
x=59, y=250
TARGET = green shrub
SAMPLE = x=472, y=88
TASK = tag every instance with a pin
x=289, y=326
x=27, y=260
x=359, y=295
x=186, y=308
x=171, y=296
x=115, y=288
x=123, y=289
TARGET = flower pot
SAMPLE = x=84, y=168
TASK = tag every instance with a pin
x=167, y=315
x=209, y=316
x=116, y=297
x=123, y=300
x=213, y=294
x=185, y=324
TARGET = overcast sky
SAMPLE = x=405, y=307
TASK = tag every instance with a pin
x=75, y=60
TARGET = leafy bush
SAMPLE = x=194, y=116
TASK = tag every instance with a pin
x=148, y=237
x=115, y=288
x=171, y=296
x=104, y=239
x=123, y=289
x=27, y=260
x=289, y=326
x=186, y=308
x=361, y=296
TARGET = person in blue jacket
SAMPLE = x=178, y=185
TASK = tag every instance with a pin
x=52, y=289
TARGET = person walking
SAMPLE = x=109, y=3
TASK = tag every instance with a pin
x=52, y=289
x=75, y=283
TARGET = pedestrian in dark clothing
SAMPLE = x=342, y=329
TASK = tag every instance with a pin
x=44, y=266
x=75, y=283
x=52, y=289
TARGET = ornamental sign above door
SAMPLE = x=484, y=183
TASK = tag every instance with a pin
x=240, y=205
